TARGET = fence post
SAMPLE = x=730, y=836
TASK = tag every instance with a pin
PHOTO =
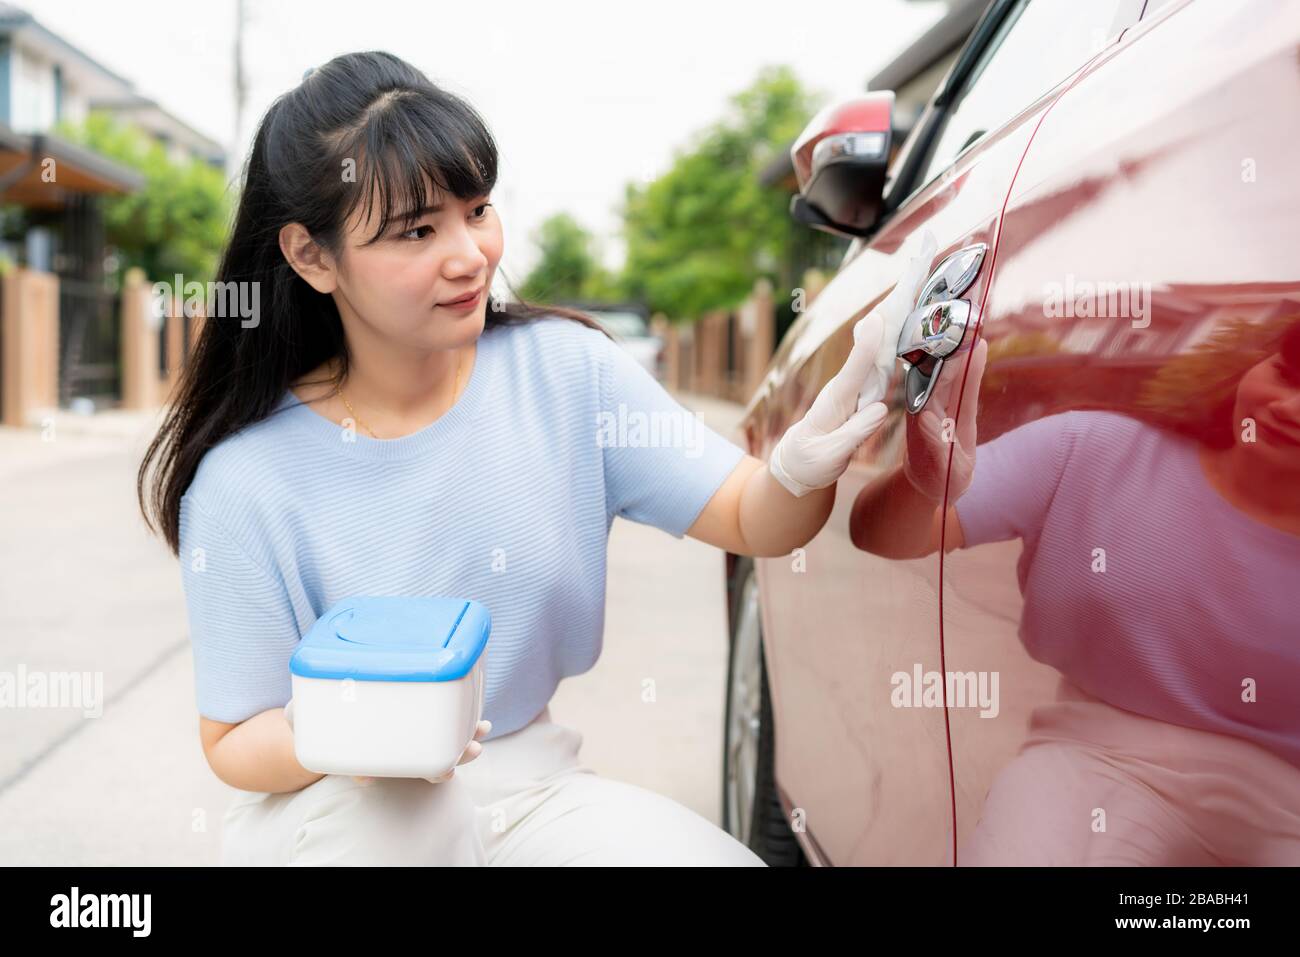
x=29, y=324
x=686, y=341
x=758, y=328
x=141, y=319
x=711, y=355
x=720, y=323
x=667, y=333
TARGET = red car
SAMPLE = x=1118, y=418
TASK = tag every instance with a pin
x=1052, y=618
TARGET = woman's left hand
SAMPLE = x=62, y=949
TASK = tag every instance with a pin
x=815, y=451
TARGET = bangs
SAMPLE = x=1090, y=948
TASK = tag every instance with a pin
x=413, y=150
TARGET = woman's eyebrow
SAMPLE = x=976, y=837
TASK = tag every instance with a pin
x=422, y=211
x=415, y=214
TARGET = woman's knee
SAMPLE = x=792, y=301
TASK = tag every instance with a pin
x=598, y=821
x=383, y=821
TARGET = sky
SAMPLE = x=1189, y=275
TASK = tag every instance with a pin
x=582, y=97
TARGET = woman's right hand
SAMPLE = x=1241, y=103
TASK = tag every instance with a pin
x=815, y=451
x=472, y=751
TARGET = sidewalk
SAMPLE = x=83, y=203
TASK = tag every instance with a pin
x=84, y=587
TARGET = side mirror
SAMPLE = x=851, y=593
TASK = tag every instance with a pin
x=840, y=160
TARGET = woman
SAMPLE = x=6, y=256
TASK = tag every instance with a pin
x=382, y=430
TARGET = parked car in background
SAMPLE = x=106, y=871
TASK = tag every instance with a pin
x=1050, y=619
x=632, y=331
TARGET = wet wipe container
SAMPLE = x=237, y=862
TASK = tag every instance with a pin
x=389, y=686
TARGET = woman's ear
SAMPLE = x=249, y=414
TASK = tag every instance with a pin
x=307, y=258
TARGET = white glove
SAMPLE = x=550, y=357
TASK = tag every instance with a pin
x=815, y=451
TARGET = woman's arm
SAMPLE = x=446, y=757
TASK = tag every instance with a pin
x=891, y=519
x=255, y=755
x=753, y=514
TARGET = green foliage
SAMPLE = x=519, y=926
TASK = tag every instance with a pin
x=702, y=233
x=568, y=268
x=177, y=222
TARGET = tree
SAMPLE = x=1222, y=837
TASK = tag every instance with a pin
x=698, y=236
x=568, y=268
x=177, y=222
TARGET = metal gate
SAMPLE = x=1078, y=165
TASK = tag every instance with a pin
x=90, y=344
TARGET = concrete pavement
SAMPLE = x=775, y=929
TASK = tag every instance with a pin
x=85, y=588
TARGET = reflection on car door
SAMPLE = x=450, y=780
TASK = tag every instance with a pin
x=1120, y=584
x=841, y=625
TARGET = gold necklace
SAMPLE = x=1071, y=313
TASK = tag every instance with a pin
x=338, y=391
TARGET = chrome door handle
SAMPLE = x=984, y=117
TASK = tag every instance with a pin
x=954, y=275
x=935, y=328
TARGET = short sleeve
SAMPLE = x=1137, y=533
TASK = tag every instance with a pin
x=242, y=626
x=1015, y=477
x=662, y=463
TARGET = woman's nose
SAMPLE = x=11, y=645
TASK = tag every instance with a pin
x=464, y=257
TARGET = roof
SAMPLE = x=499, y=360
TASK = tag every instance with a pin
x=79, y=171
x=138, y=103
x=946, y=36
x=14, y=18
x=15, y=21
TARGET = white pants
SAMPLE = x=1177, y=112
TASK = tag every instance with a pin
x=1096, y=785
x=526, y=800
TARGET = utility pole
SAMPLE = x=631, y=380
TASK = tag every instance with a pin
x=234, y=154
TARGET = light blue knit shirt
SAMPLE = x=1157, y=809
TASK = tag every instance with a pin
x=507, y=498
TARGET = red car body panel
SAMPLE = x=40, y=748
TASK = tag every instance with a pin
x=813, y=624
x=1159, y=192
x=1129, y=168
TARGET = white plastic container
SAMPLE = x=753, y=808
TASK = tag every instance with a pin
x=389, y=686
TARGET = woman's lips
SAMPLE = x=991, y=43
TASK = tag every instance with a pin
x=463, y=305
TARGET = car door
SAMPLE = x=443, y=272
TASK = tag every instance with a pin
x=1120, y=609
x=872, y=779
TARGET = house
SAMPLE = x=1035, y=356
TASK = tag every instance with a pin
x=60, y=328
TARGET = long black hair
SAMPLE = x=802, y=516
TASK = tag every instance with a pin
x=398, y=131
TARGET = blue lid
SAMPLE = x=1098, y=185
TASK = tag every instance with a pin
x=394, y=638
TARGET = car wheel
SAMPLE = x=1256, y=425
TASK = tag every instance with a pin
x=751, y=809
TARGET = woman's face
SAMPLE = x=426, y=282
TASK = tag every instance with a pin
x=1269, y=394
x=397, y=287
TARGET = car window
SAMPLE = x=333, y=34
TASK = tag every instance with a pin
x=1039, y=44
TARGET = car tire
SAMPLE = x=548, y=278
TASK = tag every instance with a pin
x=751, y=808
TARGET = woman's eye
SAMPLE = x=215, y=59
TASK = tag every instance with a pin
x=407, y=234
x=481, y=210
